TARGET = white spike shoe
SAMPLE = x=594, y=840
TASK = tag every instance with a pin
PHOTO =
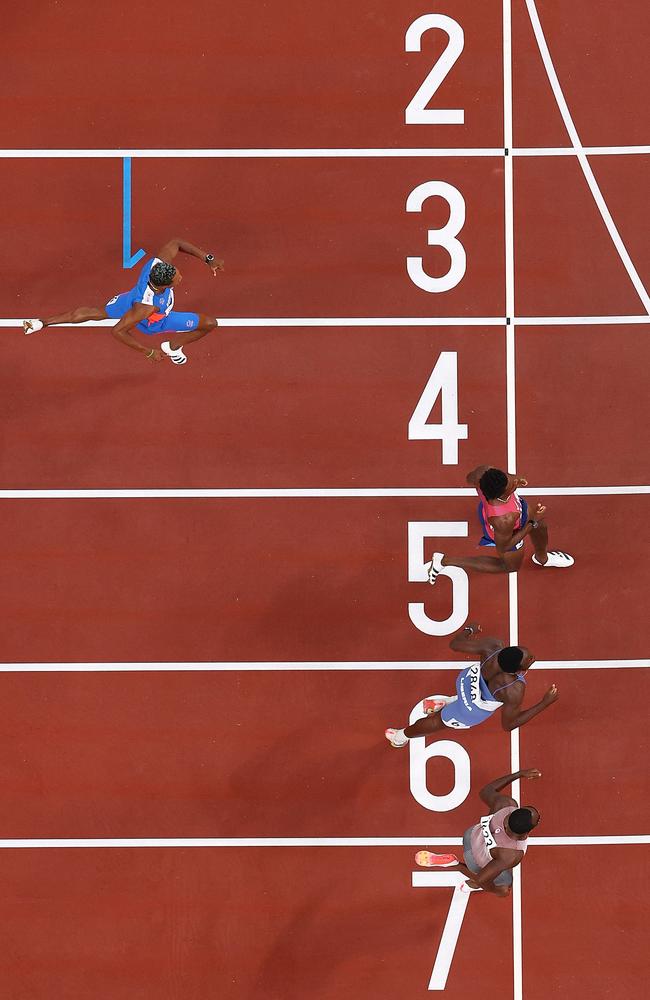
x=178, y=357
x=32, y=325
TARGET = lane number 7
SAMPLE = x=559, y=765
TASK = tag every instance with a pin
x=453, y=923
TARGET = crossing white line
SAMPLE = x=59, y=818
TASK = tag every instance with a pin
x=272, y=666
x=270, y=493
x=264, y=842
x=589, y=150
x=582, y=157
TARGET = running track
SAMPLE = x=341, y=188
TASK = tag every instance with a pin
x=205, y=580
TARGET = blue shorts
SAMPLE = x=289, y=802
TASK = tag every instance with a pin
x=175, y=322
x=504, y=878
x=486, y=540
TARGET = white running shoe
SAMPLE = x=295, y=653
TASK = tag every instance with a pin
x=435, y=567
x=32, y=325
x=556, y=559
x=394, y=740
x=177, y=356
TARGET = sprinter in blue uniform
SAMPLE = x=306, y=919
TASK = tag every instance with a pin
x=495, y=681
x=148, y=307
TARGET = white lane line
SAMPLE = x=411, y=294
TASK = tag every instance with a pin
x=246, y=842
x=423, y=492
x=511, y=399
x=349, y=152
x=582, y=158
x=304, y=665
x=509, y=240
x=346, y=152
x=308, y=322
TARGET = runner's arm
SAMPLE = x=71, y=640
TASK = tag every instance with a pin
x=127, y=322
x=504, y=537
x=472, y=478
x=172, y=247
x=474, y=642
x=487, y=875
x=490, y=793
x=512, y=716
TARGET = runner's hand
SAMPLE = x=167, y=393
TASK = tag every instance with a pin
x=216, y=265
x=520, y=481
x=475, y=627
x=550, y=696
x=156, y=356
x=531, y=772
x=540, y=512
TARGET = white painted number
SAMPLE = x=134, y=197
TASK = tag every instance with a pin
x=445, y=237
x=419, y=754
x=418, y=573
x=443, y=379
x=453, y=923
x=417, y=112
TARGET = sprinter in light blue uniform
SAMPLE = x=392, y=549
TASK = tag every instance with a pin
x=474, y=702
x=495, y=681
x=148, y=307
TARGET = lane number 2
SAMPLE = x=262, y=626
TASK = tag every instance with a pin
x=417, y=112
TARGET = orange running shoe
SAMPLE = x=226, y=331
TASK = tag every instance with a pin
x=428, y=860
x=437, y=702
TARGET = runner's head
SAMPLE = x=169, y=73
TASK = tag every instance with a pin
x=494, y=483
x=510, y=659
x=515, y=659
x=162, y=274
x=523, y=820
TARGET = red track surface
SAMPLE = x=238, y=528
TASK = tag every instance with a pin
x=299, y=753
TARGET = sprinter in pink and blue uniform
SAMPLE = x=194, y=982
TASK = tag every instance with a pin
x=496, y=680
x=506, y=523
x=148, y=307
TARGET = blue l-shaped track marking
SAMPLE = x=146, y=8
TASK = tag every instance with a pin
x=128, y=259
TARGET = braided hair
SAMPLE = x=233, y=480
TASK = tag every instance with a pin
x=162, y=274
x=493, y=482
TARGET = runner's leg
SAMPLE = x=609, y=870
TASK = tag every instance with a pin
x=509, y=562
x=424, y=727
x=206, y=325
x=539, y=538
x=81, y=315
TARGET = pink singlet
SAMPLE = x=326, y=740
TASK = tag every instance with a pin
x=497, y=508
x=490, y=832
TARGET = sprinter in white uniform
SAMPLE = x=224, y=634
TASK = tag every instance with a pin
x=496, y=844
